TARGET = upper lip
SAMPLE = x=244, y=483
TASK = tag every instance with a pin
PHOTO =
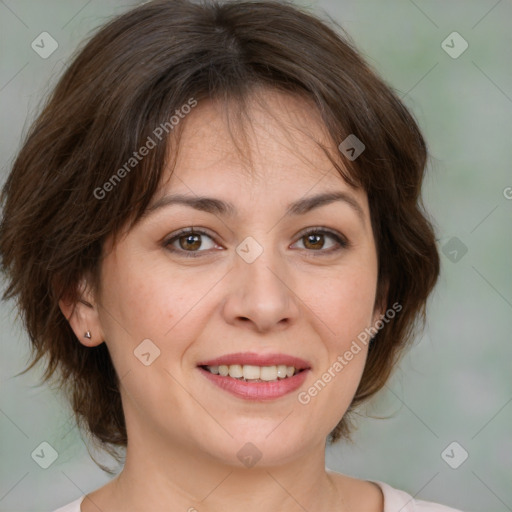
x=251, y=358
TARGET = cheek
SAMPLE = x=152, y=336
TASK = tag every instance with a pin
x=145, y=300
x=345, y=311
x=346, y=304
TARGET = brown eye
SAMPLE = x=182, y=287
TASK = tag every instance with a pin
x=314, y=241
x=317, y=240
x=189, y=242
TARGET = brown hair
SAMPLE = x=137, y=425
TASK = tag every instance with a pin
x=127, y=81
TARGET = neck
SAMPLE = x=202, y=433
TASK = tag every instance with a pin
x=179, y=479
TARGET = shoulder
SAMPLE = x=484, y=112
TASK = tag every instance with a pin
x=396, y=500
x=379, y=496
x=74, y=506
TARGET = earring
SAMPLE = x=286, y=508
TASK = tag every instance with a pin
x=87, y=335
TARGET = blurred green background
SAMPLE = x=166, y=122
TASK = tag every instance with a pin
x=455, y=385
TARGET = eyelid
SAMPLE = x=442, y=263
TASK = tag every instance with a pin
x=337, y=236
x=168, y=240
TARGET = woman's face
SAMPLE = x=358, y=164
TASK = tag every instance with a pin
x=248, y=281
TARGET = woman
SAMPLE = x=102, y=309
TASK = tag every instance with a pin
x=215, y=236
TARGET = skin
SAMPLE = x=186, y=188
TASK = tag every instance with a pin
x=298, y=297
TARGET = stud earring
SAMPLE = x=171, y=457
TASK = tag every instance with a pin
x=87, y=335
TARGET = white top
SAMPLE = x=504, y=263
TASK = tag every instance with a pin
x=394, y=501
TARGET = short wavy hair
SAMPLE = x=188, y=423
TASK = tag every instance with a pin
x=126, y=81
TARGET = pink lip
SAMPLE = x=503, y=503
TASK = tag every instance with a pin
x=254, y=359
x=257, y=390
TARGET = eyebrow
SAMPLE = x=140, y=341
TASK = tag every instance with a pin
x=223, y=208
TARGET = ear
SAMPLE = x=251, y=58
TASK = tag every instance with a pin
x=83, y=316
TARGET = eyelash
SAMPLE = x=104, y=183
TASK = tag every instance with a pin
x=340, y=239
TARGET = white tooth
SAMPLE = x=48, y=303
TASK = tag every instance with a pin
x=235, y=371
x=251, y=372
x=281, y=371
x=268, y=373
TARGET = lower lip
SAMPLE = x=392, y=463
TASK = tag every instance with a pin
x=257, y=390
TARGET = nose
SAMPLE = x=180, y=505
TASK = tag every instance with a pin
x=261, y=295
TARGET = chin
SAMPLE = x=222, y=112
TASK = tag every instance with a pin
x=269, y=443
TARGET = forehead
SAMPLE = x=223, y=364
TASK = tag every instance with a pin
x=273, y=141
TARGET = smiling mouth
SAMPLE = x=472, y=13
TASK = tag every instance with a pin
x=253, y=373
